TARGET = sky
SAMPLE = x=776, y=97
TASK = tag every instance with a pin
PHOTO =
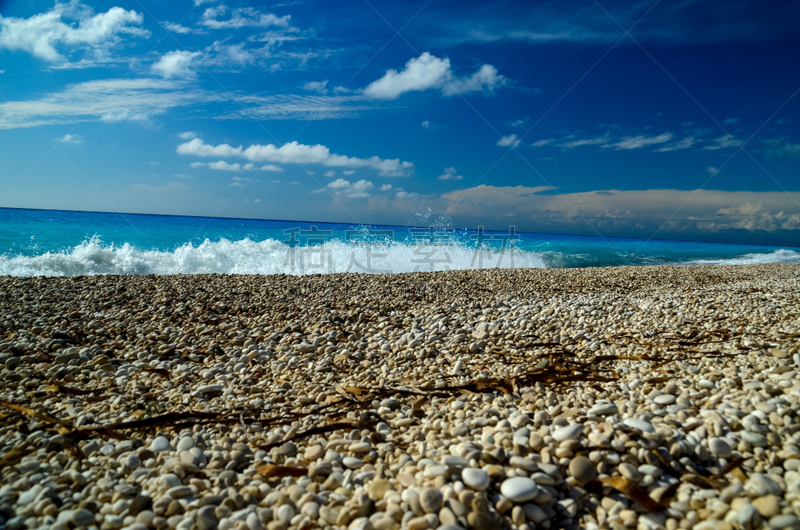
x=667, y=120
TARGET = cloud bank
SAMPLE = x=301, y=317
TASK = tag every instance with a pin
x=297, y=153
x=68, y=27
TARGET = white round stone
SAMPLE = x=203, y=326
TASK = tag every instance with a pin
x=352, y=462
x=644, y=426
x=603, y=409
x=665, y=399
x=519, y=489
x=185, y=443
x=475, y=478
x=753, y=438
x=159, y=445
x=720, y=447
x=568, y=432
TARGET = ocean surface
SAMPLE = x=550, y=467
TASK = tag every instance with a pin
x=63, y=243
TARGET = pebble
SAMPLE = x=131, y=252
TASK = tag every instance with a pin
x=519, y=489
x=430, y=500
x=642, y=425
x=582, y=469
x=603, y=409
x=159, y=445
x=475, y=478
x=569, y=432
x=720, y=447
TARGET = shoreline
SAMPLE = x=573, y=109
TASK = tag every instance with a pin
x=611, y=397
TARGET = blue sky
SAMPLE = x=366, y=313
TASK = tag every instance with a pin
x=654, y=119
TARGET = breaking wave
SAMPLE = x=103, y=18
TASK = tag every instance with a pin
x=93, y=257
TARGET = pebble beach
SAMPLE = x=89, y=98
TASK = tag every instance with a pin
x=610, y=398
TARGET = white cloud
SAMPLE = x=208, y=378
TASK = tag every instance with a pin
x=711, y=170
x=177, y=28
x=41, y=34
x=485, y=79
x=428, y=71
x=509, y=141
x=184, y=64
x=176, y=63
x=541, y=143
x=108, y=100
x=70, y=139
x=518, y=123
x=450, y=174
x=317, y=86
x=727, y=140
x=348, y=171
x=271, y=167
x=188, y=135
x=426, y=124
x=241, y=17
x=601, y=140
x=349, y=190
x=330, y=173
x=386, y=187
x=686, y=143
x=637, y=142
x=297, y=153
x=220, y=165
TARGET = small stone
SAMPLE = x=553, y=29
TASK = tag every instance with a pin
x=159, y=445
x=748, y=517
x=753, y=438
x=519, y=489
x=534, y=513
x=254, y=522
x=568, y=432
x=582, y=469
x=644, y=426
x=185, y=443
x=287, y=449
x=629, y=471
x=603, y=409
x=352, y=462
x=768, y=506
x=82, y=517
x=475, y=478
x=314, y=452
x=207, y=518
x=481, y=521
x=361, y=523
x=140, y=503
x=784, y=522
x=664, y=399
x=179, y=492
x=430, y=499
x=720, y=447
x=285, y=513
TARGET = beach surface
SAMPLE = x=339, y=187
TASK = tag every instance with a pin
x=634, y=397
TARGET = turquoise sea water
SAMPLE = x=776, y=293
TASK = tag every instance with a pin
x=62, y=243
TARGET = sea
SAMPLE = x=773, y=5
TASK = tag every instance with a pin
x=69, y=243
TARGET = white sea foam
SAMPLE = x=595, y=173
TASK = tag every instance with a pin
x=776, y=256
x=259, y=257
